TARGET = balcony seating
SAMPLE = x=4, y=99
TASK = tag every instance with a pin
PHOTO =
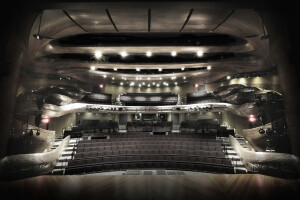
x=151, y=99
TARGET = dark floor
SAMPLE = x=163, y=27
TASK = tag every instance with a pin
x=202, y=186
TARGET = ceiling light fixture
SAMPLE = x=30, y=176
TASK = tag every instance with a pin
x=113, y=78
x=148, y=53
x=173, y=53
x=199, y=53
x=175, y=83
x=159, y=69
x=182, y=68
x=228, y=77
x=123, y=54
x=138, y=69
x=121, y=83
x=115, y=69
x=93, y=68
x=104, y=76
x=98, y=54
x=209, y=67
x=184, y=77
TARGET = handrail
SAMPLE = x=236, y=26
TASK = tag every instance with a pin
x=27, y=165
x=250, y=157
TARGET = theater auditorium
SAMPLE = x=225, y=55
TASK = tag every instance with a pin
x=149, y=100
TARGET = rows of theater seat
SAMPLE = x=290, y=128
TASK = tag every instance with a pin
x=155, y=152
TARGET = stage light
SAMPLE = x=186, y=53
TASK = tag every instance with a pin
x=228, y=77
x=46, y=120
x=182, y=68
x=199, y=53
x=98, y=54
x=252, y=118
x=208, y=67
x=93, y=68
x=124, y=54
x=173, y=53
x=148, y=53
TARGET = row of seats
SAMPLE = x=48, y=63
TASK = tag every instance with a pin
x=152, y=158
x=151, y=139
x=168, y=165
x=148, y=151
x=88, y=147
x=144, y=142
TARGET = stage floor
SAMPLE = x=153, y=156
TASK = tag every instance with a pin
x=187, y=187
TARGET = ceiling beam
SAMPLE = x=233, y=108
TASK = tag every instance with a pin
x=67, y=14
x=111, y=20
x=187, y=19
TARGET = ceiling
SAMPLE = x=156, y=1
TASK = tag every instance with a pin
x=229, y=39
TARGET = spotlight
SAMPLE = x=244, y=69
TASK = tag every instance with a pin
x=208, y=67
x=123, y=54
x=173, y=53
x=148, y=53
x=199, y=53
x=98, y=54
x=93, y=68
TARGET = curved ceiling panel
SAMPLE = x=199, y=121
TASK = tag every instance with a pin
x=142, y=59
x=148, y=39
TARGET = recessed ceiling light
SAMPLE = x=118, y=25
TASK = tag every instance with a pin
x=98, y=54
x=173, y=53
x=148, y=53
x=182, y=68
x=115, y=69
x=123, y=54
x=209, y=67
x=228, y=77
x=199, y=53
x=159, y=69
x=138, y=69
x=93, y=68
